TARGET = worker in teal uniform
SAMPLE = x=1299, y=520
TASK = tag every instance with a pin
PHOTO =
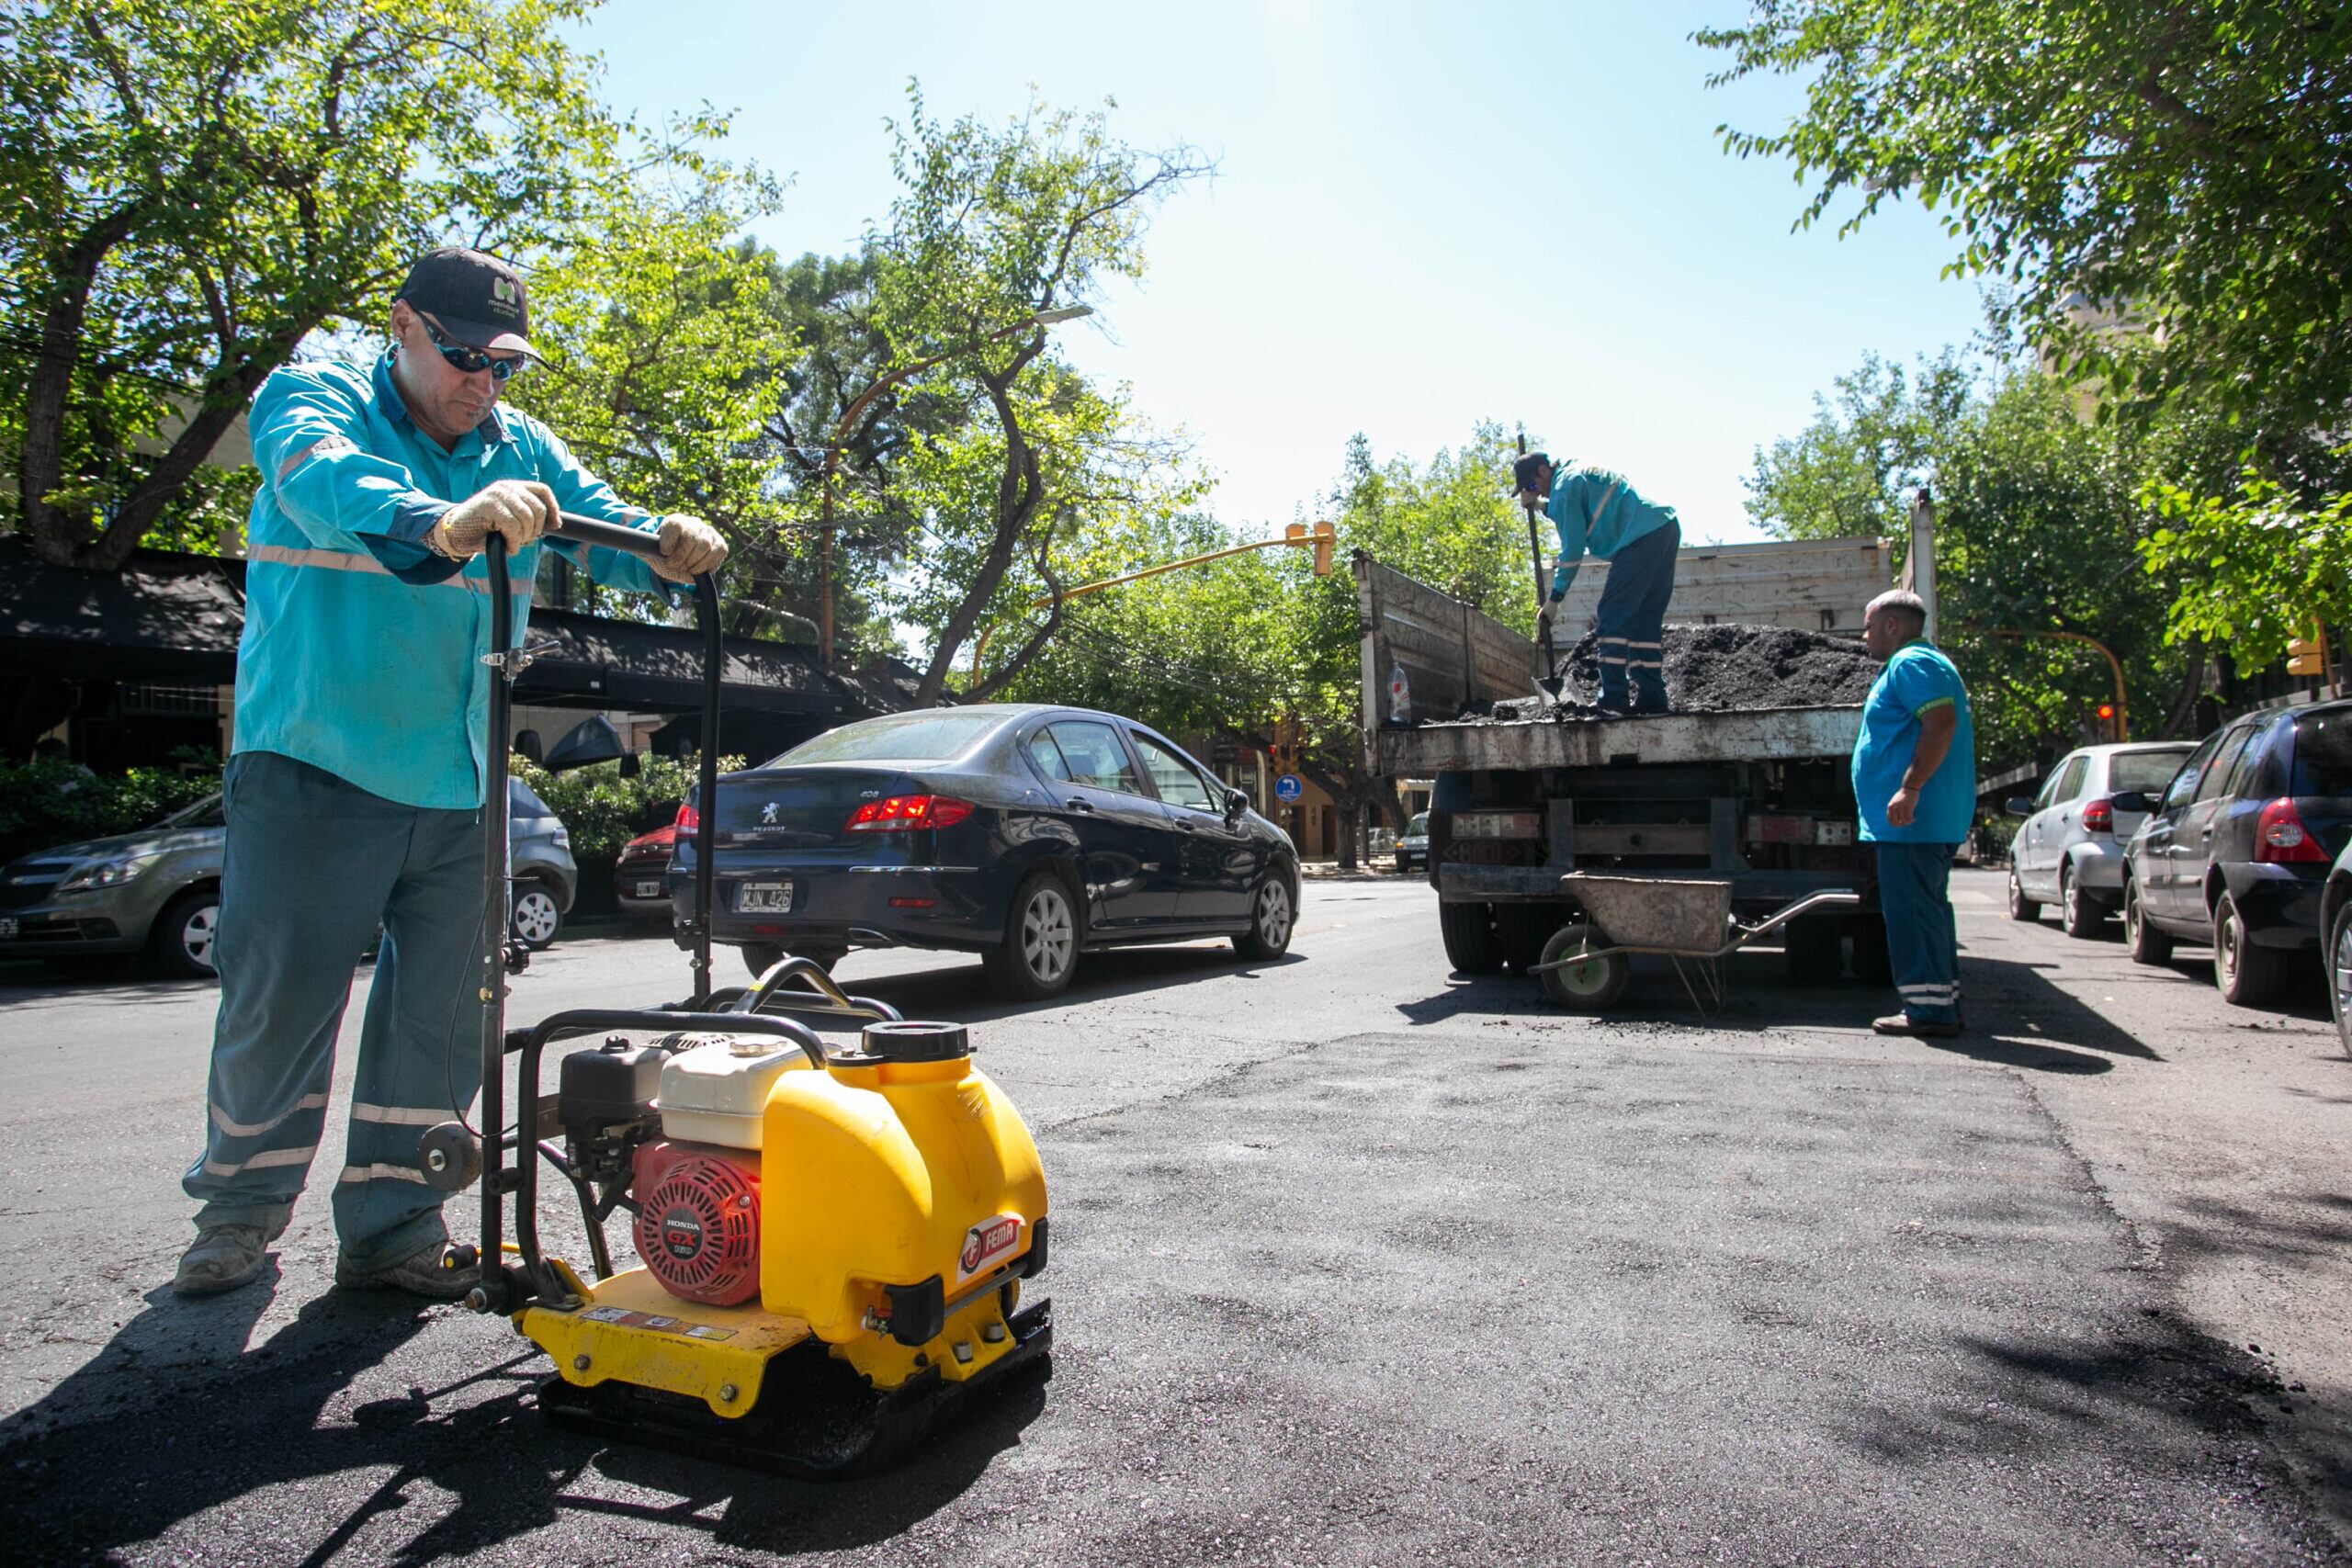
x=354, y=791
x=1915, y=781
x=1599, y=513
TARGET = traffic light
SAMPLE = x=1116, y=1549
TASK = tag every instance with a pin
x=1324, y=539
x=2107, y=718
x=2308, y=656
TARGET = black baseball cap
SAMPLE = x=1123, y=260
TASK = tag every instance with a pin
x=475, y=298
x=1528, y=472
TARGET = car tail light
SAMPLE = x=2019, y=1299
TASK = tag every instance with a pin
x=2098, y=817
x=2281, y=838
x=898, y=813
x=688, y=818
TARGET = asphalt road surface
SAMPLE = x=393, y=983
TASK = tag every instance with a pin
x=1355, y=1262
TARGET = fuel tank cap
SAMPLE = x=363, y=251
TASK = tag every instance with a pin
x=916, y=1040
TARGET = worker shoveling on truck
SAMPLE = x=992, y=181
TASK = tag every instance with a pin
x=1599, y=513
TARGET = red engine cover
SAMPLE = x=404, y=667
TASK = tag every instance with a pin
x=698, y=1223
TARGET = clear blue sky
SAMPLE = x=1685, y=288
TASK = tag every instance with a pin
x=1423, y=216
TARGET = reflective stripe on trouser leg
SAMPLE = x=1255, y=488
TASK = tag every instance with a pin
x=302, y=877
x=1922, y=942
x=420, y=1042
x=1632, y=606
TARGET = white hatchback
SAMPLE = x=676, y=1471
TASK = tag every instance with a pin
x=2070, y=850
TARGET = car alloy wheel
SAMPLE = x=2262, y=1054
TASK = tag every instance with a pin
x=1272, y=915
x=1048, y=935
x=537, y=918
x=198, y=934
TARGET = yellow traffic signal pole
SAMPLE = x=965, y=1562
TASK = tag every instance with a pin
x=2122, y=732
x=1321, y=538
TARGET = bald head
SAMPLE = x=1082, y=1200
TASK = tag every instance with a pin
x=1893, y=619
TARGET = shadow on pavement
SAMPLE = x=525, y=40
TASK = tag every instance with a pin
x=962, y=994
x=293, y=1450
x=2017, y=1017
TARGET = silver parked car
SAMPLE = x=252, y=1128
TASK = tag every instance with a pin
x=2069, y=850
x=159, y=890
x=1413, y=846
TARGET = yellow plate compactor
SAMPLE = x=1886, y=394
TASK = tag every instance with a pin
x=832, y=1242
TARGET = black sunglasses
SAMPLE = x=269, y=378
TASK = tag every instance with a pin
x=467, y=358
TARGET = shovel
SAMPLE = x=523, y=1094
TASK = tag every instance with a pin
x=1550, y=679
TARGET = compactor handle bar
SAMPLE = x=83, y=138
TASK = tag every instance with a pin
x=573, y=528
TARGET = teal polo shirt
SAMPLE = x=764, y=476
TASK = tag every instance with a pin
x=1596, y=511
x=362, y=649
x=1916, y=680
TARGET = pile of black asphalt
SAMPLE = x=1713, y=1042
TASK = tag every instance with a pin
x=1728, y=668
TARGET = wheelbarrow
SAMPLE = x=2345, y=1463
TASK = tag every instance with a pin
x=1587, y=962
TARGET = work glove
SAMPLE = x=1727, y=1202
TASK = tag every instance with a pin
x=689, y=547
x=1544, y=615
x=518, y=511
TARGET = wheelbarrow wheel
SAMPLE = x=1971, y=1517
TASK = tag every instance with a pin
x=1589, y=984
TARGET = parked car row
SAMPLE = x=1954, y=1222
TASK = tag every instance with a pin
x=2242, y=841
x=158, y=891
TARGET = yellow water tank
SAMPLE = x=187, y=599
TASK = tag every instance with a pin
x=899, y=1163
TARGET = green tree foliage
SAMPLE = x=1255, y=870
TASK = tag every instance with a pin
x=2038, y=529
x=1257, y=648
x=191, y=187
x=994, y=226
x=663, y=343
x=2184, y=160
x=52, y=801
x=604, y=809
x=2267, y=567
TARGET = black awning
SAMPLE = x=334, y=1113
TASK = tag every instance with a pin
x=163, y=617
x=167, y=617
x=600, y=662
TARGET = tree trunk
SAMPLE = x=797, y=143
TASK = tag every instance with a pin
x=1019, y=491
x=57, y=536
x=2192, y=685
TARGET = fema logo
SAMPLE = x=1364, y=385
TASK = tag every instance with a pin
x=987, y=1242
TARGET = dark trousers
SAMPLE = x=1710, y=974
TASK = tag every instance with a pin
x=1922, y=944
x=1632, y=611
x=314, y=863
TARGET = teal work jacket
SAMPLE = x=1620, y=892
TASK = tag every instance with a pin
x=363, y=648
x=1596, y=511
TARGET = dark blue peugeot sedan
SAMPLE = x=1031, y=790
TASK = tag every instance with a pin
x=1025, y=834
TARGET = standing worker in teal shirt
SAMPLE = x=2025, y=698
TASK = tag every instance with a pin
x=1596, y=511
x=1915, y=780
x=354, y=790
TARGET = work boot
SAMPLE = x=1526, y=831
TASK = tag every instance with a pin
x=1649, y=695
x=1925, y=1029
x=225, y=1257
x=419, y=1274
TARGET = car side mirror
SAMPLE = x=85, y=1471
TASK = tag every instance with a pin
x=1236, y=802
x=2018, y=805
x=2132, y=800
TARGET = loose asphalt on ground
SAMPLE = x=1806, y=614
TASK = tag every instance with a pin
x=1356, y=1262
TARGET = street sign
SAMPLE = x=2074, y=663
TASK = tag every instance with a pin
x=1287, y=787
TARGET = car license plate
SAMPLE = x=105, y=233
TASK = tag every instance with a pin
x=7, y=928
x=649, y=890
x=764, y=898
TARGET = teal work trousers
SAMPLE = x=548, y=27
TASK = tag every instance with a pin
x=313, y=863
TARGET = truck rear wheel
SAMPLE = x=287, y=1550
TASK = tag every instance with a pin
x=1470, y=943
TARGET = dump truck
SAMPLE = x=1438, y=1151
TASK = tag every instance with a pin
x=1527, y=791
